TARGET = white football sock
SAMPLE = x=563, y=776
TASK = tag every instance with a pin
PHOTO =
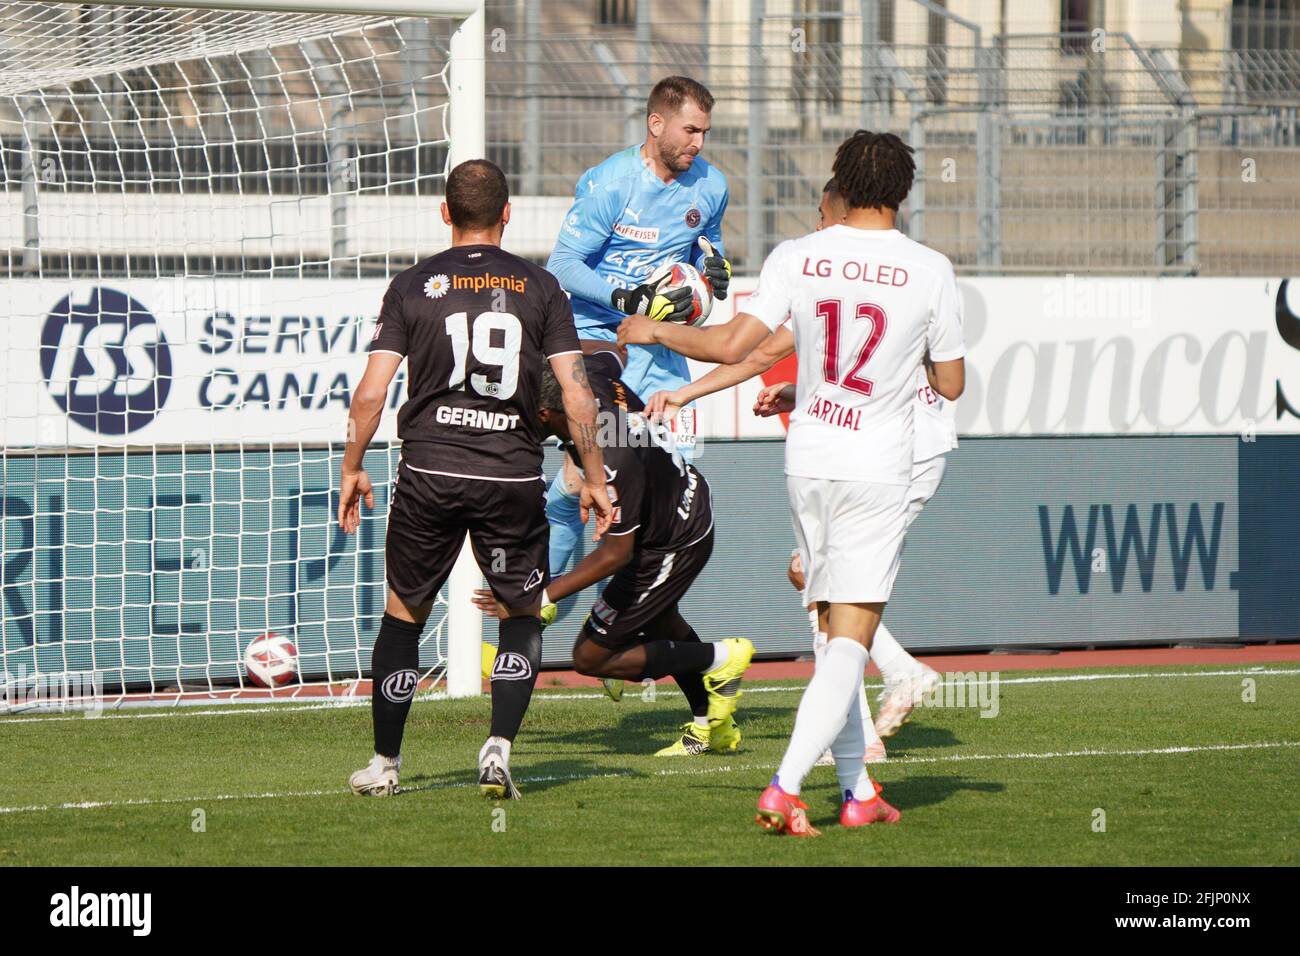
x=869, y=735
x=895, y=663
x=720, y=655
x=848, y=747
x=823, y=710
x=701, y=722
x=819, y=647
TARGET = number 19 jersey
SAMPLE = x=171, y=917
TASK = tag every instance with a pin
x=864, y=304
x=475, y=324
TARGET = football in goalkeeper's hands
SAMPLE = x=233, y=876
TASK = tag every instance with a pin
x=682, y=274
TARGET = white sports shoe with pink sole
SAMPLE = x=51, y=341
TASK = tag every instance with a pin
x=898, y=700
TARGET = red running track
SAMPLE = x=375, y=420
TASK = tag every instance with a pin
x=1065, y=660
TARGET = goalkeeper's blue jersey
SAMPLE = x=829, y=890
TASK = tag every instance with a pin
x=625, y=223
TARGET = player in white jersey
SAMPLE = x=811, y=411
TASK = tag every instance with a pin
x=867, y=307
x=906, y=678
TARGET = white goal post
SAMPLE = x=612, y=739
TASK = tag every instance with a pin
x=202, y=203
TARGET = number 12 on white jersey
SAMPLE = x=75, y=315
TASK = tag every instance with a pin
x=829, y=310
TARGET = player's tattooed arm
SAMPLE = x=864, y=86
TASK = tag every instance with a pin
x=580, y=372
x=584, y=439
x=580, y=410
x=761, y=358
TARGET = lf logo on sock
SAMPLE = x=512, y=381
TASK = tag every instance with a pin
x=511, y=666
x=399, y=687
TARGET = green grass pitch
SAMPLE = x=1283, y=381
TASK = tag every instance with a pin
x=1180, y=768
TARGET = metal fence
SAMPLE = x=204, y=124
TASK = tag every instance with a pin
x=1077, y=151
x=1082, y=151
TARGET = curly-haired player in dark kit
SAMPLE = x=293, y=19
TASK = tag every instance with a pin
x=659, y=542
x=476, y=326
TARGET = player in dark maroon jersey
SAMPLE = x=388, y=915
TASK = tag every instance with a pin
x=475, y=325
x=659, y=542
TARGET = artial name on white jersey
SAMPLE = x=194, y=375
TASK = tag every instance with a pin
x=473, y=418
x=833, y=413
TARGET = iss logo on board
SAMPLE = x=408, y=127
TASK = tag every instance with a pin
x=106, y=361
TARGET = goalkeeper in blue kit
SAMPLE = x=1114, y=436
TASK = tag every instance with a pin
x=643, y=207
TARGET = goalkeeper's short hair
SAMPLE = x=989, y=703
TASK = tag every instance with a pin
x=671, y=92
x=477, y=194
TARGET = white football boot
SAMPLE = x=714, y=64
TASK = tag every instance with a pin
x=378, y=778
x=898, y=699
x=494, y=774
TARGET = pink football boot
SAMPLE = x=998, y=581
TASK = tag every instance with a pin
x=781, y=812
x=861, y=813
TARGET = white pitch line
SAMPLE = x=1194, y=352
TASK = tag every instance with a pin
x=1054, y=755
x=611, y=774
x=542, y=695
x=231, y=711
x=1047, y=679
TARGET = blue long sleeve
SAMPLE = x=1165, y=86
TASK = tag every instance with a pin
x=577, y=277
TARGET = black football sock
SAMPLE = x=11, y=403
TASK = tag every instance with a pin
x=697, y=697
x=673, y=627
x=676, y=657
x=519, y=656
x=692, y=685
x=394, y=671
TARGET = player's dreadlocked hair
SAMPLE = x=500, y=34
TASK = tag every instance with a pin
x=874, y=170
x=550, y=395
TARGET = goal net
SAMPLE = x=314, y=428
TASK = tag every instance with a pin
x=202, y=209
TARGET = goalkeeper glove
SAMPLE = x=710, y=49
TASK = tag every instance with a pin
x=715, y=268
x=671, y=306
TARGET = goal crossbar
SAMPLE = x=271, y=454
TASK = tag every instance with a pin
x=377, y=8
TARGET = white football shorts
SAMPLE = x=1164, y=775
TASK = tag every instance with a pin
x=850, y=534
x=926, y=477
